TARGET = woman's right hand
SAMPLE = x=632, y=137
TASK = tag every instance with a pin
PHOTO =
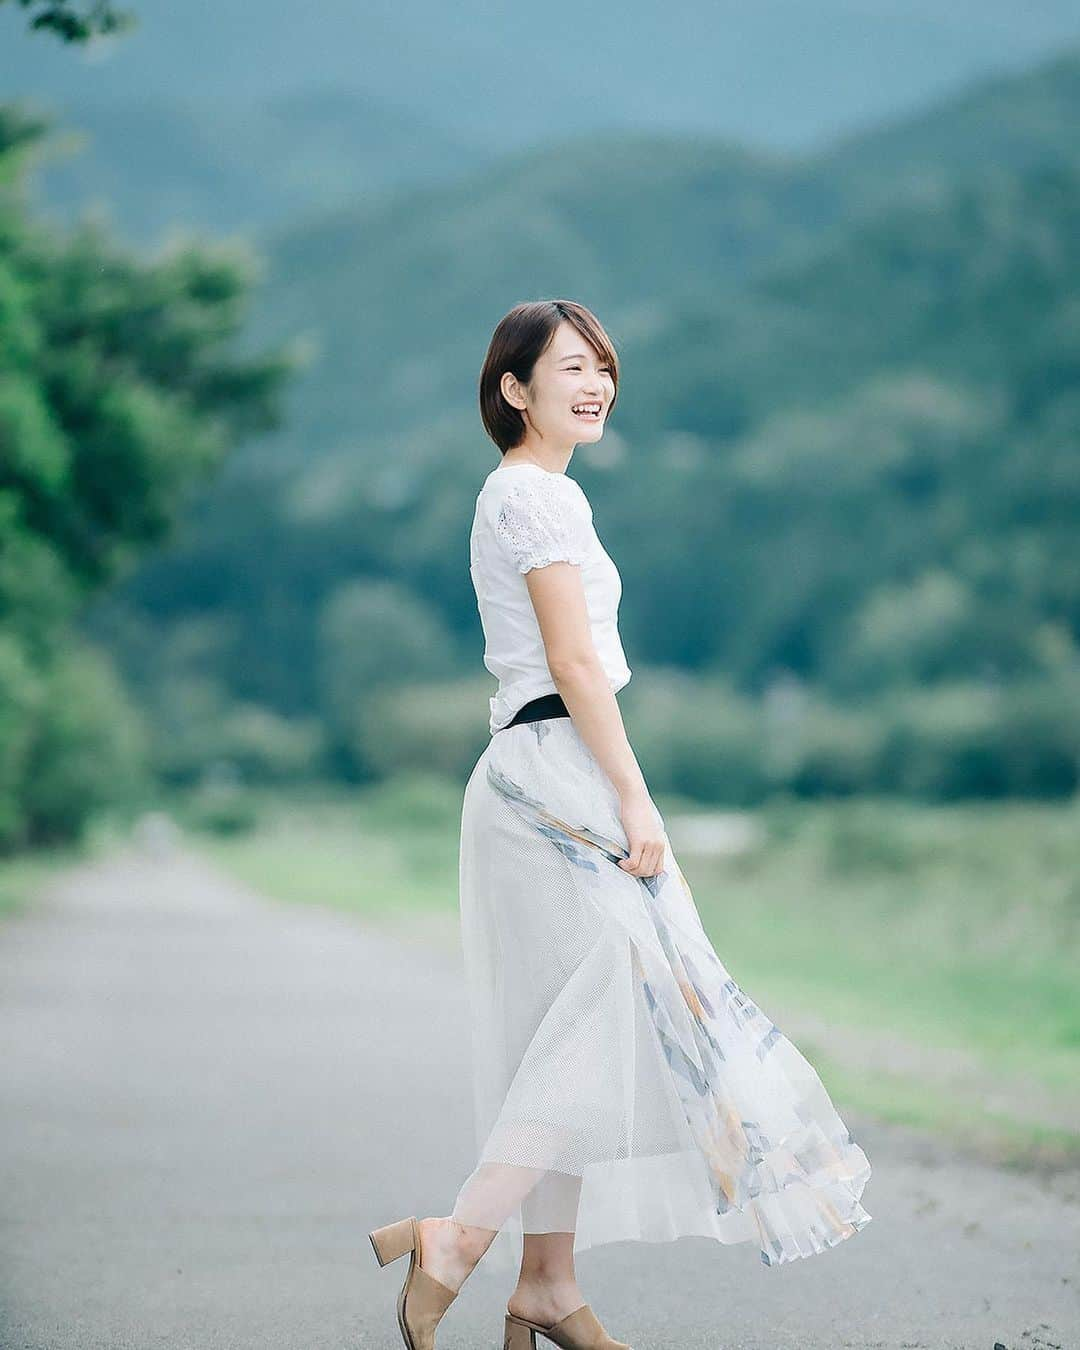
x=645, y=835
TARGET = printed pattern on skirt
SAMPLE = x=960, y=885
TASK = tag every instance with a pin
x=626, y=1086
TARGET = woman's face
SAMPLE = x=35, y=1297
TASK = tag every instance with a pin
x=569, y=374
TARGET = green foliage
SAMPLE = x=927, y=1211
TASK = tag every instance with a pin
x=938, y=742
x=86, y=751
x=118, y=388
x=20, y=700
x=119, y=393
x=702, y=740
x=221, y=806
x=199, y=727
x=954, y=741
x=424, y=728
x=72, y=743
x=696, y=737
x=418, y=798
x=373, y=635
x=77, y=24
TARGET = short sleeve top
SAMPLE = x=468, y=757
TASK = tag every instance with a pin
x=527, y=517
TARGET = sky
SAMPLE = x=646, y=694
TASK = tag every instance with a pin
x=782, y=74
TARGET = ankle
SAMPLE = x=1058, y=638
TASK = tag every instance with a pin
x=460, y=1243
x=544, y=1297
x=556, y=1284
x=471, y=1242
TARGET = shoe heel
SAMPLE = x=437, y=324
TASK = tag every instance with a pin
x=392, y=1241
x=517, y=1336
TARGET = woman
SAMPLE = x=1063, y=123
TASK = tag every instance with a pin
x=625, y=1086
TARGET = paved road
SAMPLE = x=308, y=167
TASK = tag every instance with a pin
x=207, y=1099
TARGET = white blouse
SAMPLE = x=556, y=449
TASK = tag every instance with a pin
x=528, y=517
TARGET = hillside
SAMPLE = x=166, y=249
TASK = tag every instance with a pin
x=401, y=297
x=1000, y=122
x=921, y=441
x=859, y=428
x=160, y=162
x=649, y=231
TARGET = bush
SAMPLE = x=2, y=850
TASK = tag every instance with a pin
x=698, y=738
x=197, y=726
x=220, y=805
x=942, y=743
x=372, y=636
x=968, y=740
x=419, y=799
x=87, y=748
x=431, y=728
x=20, y=696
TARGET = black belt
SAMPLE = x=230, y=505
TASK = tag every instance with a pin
x=547, y=705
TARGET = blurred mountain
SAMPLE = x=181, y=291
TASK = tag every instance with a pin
x=155, y=163
x=399, y=296
x=924, y=212
x=909, y=400
x=851, y=387
x=1000, y=122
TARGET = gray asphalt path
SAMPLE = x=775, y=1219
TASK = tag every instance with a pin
x=208, y=1099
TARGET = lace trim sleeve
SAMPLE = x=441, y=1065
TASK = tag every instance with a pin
x=541, y=525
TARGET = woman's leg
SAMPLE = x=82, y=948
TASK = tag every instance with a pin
x=547, y=1288
x=451, y=1246
x=450, y=1250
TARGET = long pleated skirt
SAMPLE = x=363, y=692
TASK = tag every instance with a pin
x=625, y=1087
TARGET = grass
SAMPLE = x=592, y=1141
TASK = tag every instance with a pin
x=22, y=876
x=923, y=958
x=956, y=926
x=383, y=854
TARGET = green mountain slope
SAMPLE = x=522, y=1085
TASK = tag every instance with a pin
x=401, y=298
x=650, y=231
x=1001, y=122
x=911, y=417
x=161, y=162
x=845, y=445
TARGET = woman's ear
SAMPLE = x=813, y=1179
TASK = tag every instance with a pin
x=512, y=390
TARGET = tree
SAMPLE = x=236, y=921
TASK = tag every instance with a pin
x=73, y=24
x=119, y=393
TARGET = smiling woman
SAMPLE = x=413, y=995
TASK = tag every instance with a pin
x=625, y=1086
x=562, y=341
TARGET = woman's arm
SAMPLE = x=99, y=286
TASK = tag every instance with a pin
x=558, y=598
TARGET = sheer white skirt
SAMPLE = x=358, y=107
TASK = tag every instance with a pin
x=625, y=1087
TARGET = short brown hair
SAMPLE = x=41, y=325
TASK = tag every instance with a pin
x=519, y=339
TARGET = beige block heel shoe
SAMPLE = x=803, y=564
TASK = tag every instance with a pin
x=422, y=1300
x=579, y=1330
